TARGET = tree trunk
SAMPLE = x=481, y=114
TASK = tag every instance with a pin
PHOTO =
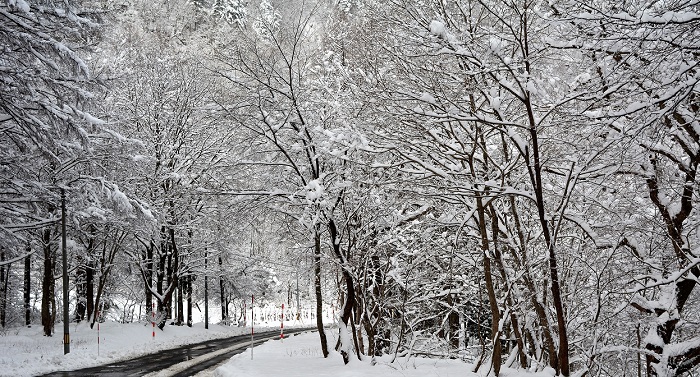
x=490, y=291
x=181, y=289
x=509, y=299
x=148, y=277
x=372, y=310
x=171, y=281
x=369, y=330
x=90, y=288
x=80, y=290
x=453, y=320
x=222, y=291
x=189, y=301
x=165, y=304
x=535, y=172
x=28, y=287
x=349, y=303
x=317, y=288
x=667, y=318
x=48, y=304
x=206, y=290
x=563, y=354
x=109, y=252
x=160, y=271
x=4, y=274
x=524, y=265
x=689, y=358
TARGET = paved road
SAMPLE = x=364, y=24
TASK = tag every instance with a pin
x=192, y=358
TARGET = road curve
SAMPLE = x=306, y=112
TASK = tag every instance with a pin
x=168, y=360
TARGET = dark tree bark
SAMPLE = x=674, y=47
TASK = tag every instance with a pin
x=222, y=291
x=170, y=276
x=48, y=304
x=522, y=264
x=372, y=311
x=90, y=288
x=160, y=271
x=453, y=321
x=491, y=292
x=148, y=276
x=81, y=290
x=349, y=303
x=4, y=285
x=86, y=278
x=189, y=300
x=181, y=289
x=666, y=322
x=498, y=259
x=109, y=252
x=534, y=166
x=173, y=280
x=317, y=290
x=28, y=287
x=206, y=289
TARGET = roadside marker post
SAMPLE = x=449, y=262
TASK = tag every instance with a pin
x=153, y=321
x=98, y=332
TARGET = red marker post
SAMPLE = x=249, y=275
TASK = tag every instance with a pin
x=153, y=321
x=282, y=324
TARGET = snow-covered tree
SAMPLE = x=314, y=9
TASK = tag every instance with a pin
x=645, y=86
x=51, y=143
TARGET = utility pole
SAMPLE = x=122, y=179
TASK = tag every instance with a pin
x=66, y=325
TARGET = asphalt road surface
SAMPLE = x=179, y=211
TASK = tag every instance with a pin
x=181, y=361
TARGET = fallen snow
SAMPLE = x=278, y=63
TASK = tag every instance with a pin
x=300, y=356
x=26, y=352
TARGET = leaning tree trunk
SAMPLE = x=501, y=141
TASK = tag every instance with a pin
x=535, y=171
x=498, y=259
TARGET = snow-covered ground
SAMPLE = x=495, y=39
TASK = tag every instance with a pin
x=26, y=352
x=300, y=356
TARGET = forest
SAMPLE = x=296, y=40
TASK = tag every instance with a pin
x=510, y=183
